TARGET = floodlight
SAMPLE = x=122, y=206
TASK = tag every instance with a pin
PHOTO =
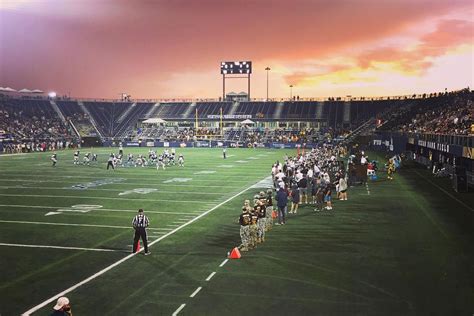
x=52, y=94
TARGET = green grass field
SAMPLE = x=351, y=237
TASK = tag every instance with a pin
x=403, y=247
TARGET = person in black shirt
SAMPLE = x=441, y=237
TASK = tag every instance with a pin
x=269, y=210
x=261, y=212
x=140, y=222
x=244, y=221
x=110, y=162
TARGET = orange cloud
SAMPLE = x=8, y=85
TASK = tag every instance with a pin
x=448, y=35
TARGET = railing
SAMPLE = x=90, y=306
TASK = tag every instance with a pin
x=460, y=140
x=178, y=99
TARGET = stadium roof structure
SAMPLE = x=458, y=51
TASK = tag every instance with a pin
x=155, y=120
x=24, y=90
x=37, y=91
x=8, y=89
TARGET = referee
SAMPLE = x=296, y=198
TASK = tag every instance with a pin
x=140, y=222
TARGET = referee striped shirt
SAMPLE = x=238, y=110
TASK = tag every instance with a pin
x=140, y=221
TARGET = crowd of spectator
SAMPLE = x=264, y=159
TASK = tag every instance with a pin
x=310, y=178
x=450, y=113
x=37, y=146
x=32, y=122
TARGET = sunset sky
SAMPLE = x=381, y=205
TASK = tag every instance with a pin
x=173, y=48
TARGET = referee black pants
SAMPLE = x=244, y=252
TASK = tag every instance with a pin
x=110, y=164
x=140, y=232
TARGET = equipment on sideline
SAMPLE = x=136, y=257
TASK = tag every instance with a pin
x=235, y=254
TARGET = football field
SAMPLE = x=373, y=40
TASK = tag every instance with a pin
x=403, y=247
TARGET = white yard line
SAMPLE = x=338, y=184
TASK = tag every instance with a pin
x=68, y=224
x=55, y=247
x=196, y=291
x=95, y=210
x=110, y=267
x=176, y=312
x=154, y=183
x=126, y=176
x=101, y=189
x=100, y=197
x=223, y=262
x=210, y=276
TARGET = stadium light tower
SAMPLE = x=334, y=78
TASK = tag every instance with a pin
x=235, y=70
x=291, y=91
x=267, y=69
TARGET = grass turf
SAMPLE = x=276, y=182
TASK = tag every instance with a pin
x=405, y=249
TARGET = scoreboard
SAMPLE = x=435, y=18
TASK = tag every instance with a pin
x=236, y=67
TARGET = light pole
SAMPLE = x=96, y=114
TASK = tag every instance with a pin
x=291, y=91
x=267, y=69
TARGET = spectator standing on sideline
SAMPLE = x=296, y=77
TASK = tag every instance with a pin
x=62, y=307
x=295, y=199
x=140, y=222
x=343, y=189
x=224, y=151
x=282, y=202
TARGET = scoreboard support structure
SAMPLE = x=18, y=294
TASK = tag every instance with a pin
x=229, y=70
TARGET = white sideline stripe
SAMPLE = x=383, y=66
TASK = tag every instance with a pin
x=98, y=197
x=210, y=276
x=450, y=195
x=196, y=292
x=92, y=277
x=69, y=224
x=223, y=262
x=99, y=209
x=178, y=310
x=54, y=247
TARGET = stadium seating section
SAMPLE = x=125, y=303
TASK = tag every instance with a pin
x=447, y=113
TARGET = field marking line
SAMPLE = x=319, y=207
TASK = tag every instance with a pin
x=196, y=291
x=127, y=183
x=99, y=209
x=210, y=276
x=223, y=262
x=69, y=224
x=178, y=310
x=107, y=190
x=19, y=154
x=449, y=194
x=99, y=197
x=158, y=181
x=55, y=247
x=113, y=265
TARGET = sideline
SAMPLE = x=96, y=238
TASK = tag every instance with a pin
x=57, y=247
x=449, y=194
x=110, y=267
x=69, y=224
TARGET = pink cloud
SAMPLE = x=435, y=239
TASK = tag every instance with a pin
x=128, y=45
